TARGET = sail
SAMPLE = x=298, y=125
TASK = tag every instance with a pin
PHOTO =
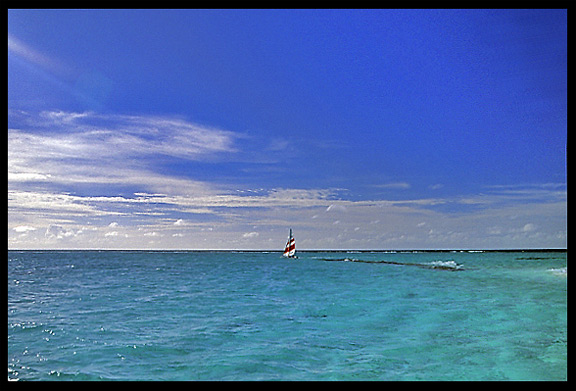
x=290, y=249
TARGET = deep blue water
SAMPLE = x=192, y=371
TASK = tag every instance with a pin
x=138, y=315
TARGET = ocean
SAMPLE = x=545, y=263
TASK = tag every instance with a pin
x=209, y=315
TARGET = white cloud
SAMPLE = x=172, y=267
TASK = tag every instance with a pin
x=388, y=224
x=394, y=186
x=383, y=224
x=23, y=228
x=51, y=203
x=88, y=148
x=137, y=136
x=336, y=207
x=28, y=177
x=58, y=232
x=76, y=154
x=529, y=227
x=63, y=117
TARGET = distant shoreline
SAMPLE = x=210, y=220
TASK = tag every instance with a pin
x=521, y=250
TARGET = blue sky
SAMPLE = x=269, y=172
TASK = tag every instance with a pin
x=380, y=129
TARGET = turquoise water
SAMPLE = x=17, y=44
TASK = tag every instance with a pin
x=137, y=315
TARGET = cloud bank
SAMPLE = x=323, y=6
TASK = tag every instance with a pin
x=88, y=180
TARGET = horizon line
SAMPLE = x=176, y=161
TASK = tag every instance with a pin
x=554, y=249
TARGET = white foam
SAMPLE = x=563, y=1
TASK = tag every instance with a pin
x=446, y=264
x=560, y=272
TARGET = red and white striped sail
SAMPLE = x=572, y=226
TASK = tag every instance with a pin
x=290, y=249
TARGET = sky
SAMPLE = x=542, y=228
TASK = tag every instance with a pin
x=223, y=129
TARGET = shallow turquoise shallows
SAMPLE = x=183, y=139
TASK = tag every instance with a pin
x=138, y=315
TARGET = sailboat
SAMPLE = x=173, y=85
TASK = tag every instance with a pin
x=290, y=249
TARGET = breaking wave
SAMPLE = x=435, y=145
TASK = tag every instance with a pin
x=563, y=271
x=445, y=265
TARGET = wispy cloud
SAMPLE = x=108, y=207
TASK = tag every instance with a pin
x=34, y=56
x=436, y=186
x=86, y=148
x=393, y=186
x=93, y=136
x=321, y=222
x=92, y=180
